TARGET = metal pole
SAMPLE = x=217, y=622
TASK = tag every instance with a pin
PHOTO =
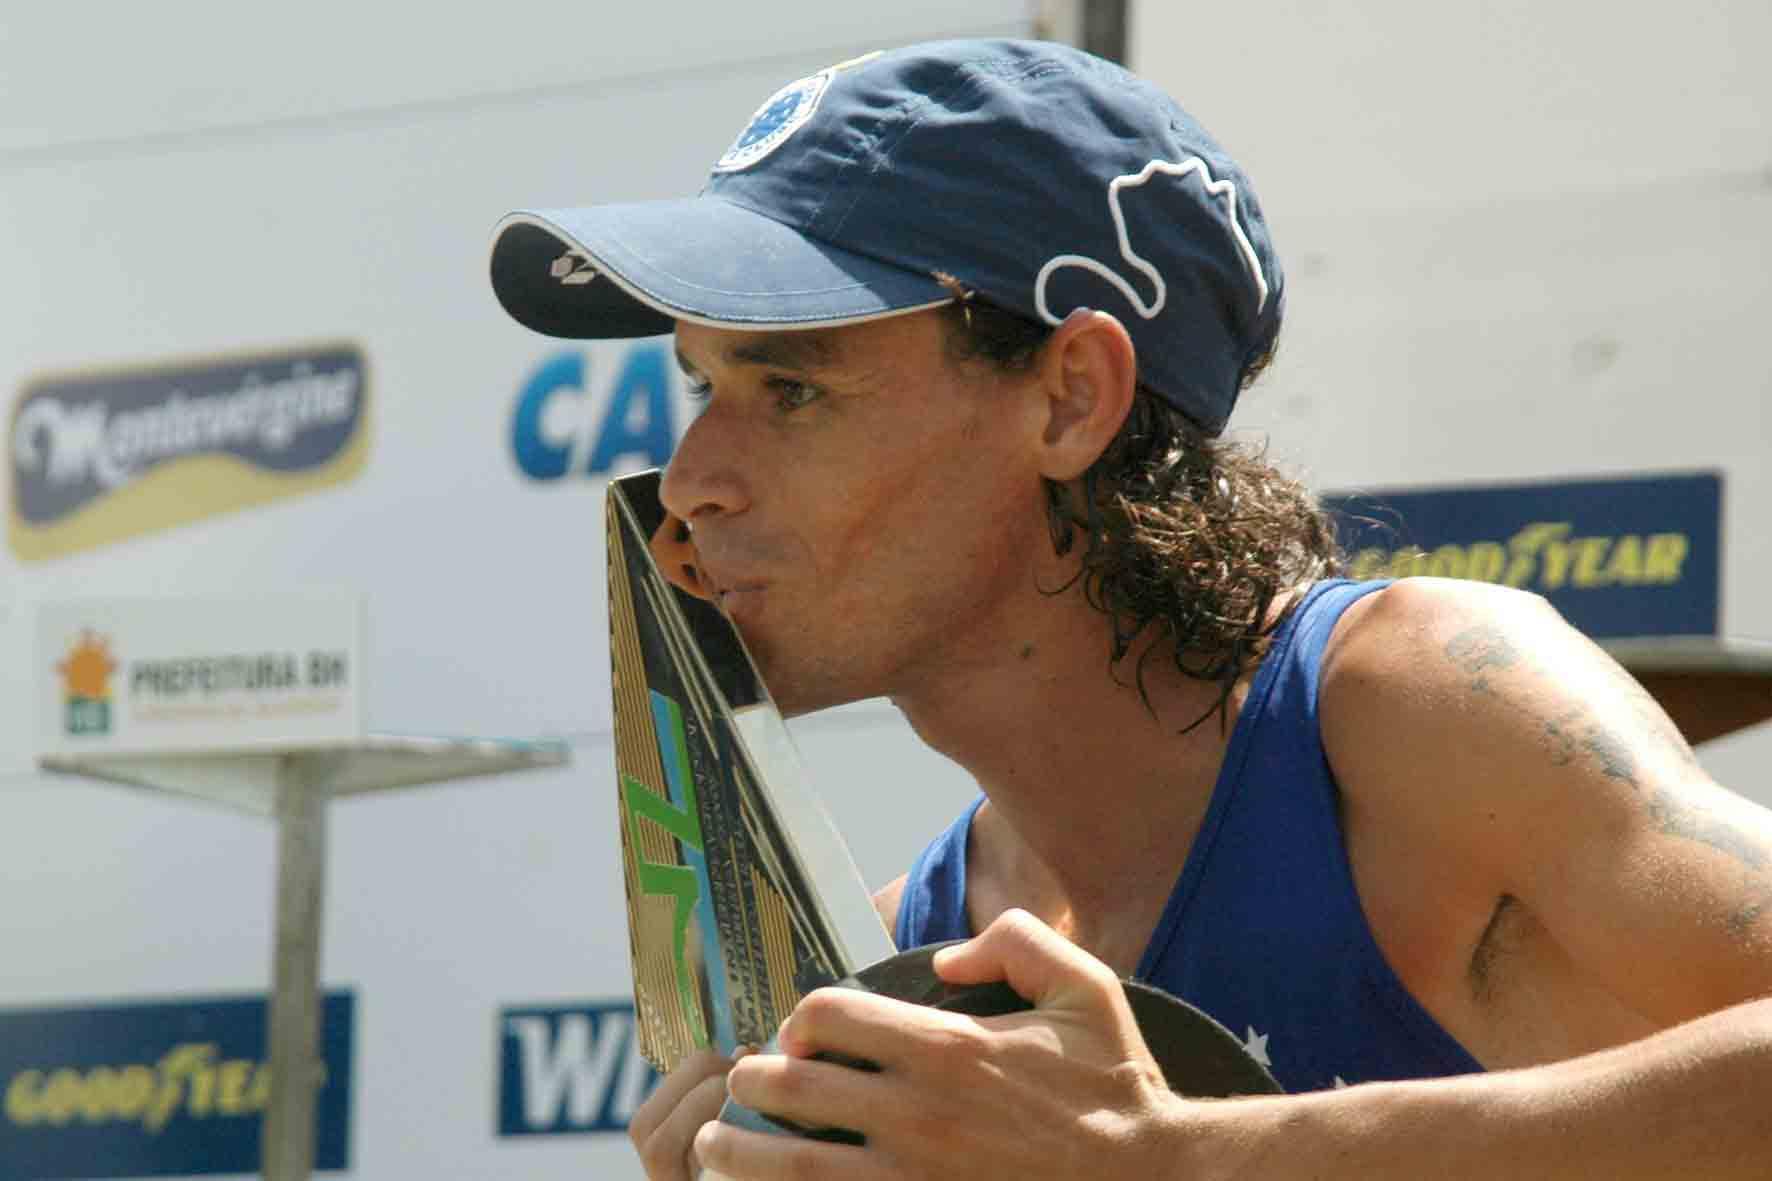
x=1100, y=26
x=1105, y=31
x=287, y=1143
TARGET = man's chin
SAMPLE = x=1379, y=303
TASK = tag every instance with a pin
x=794, y=693
x=791, y=699
x=776, y=682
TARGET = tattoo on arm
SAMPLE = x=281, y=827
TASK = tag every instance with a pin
x=1564, y=741
x=1612, y=753
x=1480, y=648
x=1677, y=814
x=1742, y=921
x=1682, y=818
x=1655, y=719
x=1485, y=648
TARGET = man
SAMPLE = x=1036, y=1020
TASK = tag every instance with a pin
x=966, y=319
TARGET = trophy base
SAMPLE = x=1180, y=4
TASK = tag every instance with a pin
x=1199, y=1057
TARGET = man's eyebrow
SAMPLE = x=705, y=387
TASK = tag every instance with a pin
x=785, y=350
x=803, y=350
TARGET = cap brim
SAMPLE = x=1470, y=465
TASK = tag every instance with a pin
x=702, y=259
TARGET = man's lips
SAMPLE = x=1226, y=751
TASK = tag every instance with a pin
x=687, y=562
x=738, y=598
x=722, y=577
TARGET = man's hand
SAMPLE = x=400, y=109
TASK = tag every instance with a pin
x=663, y=1129
x=1067, y=1089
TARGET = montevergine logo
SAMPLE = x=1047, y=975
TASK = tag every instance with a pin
x=95, y=458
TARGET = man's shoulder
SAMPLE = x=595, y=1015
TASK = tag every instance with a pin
x=1412, y=676
x=1400, y=635
x=886, y=901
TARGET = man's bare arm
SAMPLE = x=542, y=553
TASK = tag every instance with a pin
x=1686, y=1102
x=1500, y=752
x=1474, y=729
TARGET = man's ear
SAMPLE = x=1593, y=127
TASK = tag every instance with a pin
x=1088, y=372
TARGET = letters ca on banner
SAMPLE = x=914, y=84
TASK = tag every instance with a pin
x=155, y=1089
x=593, y=412
x=569, y=1069
x=95, y=458
x=1619, y=558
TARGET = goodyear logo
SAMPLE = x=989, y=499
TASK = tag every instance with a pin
x=1631, y=557
x=101, y=457
x=570, y=1069
x=1543, y=556
x=191, y=1079
x=573, y=418
x=156, y=1089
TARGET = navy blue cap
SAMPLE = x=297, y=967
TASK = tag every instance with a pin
x=1039, y=177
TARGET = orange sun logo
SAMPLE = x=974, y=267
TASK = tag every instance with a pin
x=86, y=680
x=87, y=670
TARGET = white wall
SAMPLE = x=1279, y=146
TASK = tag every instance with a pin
x=190, y=178
x=196, y=178
x=1524, y=241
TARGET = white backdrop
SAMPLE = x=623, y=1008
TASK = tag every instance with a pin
x=1523, y=242
x=198, y=181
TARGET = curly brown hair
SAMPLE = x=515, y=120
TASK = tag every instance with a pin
x=1192, y=535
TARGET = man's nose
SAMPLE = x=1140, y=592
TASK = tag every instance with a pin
x=701, y=485
x=703, y=480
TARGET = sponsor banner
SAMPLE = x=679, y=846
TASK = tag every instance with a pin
x=96, y=458
x=594, y=412
x=133, y=676
x=1627, y=557
x=156, y=1089
x=570, y=1069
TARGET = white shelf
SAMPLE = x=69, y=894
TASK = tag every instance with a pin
x=247, y=780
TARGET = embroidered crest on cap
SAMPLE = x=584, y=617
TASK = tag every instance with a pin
x=785, y=113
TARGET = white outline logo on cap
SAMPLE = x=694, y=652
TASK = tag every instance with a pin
x=1222, y=189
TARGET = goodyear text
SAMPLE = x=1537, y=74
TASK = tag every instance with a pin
x=1544, y=556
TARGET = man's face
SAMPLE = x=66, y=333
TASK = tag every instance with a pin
x=867, y=511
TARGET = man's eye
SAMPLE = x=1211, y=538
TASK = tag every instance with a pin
x=791, y=394
x=699, y=389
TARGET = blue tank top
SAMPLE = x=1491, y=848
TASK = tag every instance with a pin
x=1264, y=928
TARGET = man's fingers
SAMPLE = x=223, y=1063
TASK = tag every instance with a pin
x=864, y=1025
x=1036, y=961
x=669, y=1093
x=735, y=1152
x=809, y=1093
x=666, y=1153
x=664, y=1126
